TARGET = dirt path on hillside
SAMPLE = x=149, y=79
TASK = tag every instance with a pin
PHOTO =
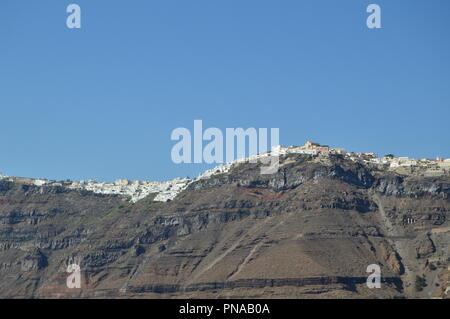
x=400, y=245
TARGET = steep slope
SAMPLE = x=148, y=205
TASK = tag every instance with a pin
x=308, y=231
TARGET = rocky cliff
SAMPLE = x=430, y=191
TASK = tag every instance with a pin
x=308, y=231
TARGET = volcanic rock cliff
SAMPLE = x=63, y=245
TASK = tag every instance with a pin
x=308, y=231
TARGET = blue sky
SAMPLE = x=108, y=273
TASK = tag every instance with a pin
x=101, y=102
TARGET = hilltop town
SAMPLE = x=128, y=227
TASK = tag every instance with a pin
x=168, y=190
x=425, y=167
x=309, y=229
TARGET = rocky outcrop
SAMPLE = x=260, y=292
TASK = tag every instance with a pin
x=395, y=185
x=33, y=260
x=424, y=246
x=311, y=228
x=258, y=283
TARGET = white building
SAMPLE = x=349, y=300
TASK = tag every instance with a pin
x=40, y=182
x=298, y=150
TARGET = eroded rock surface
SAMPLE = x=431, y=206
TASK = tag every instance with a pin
x=309, y=230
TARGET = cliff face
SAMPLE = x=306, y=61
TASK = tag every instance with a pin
x=309, y=230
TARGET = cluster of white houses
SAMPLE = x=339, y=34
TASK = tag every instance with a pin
x=388, y=160
x=168, y=190
x=136, y=190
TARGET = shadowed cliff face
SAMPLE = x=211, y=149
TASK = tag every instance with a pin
x=310, y=230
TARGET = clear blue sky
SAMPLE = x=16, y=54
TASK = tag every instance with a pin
x=102, y=101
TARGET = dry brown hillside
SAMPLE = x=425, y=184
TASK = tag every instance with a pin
x=308, y=231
